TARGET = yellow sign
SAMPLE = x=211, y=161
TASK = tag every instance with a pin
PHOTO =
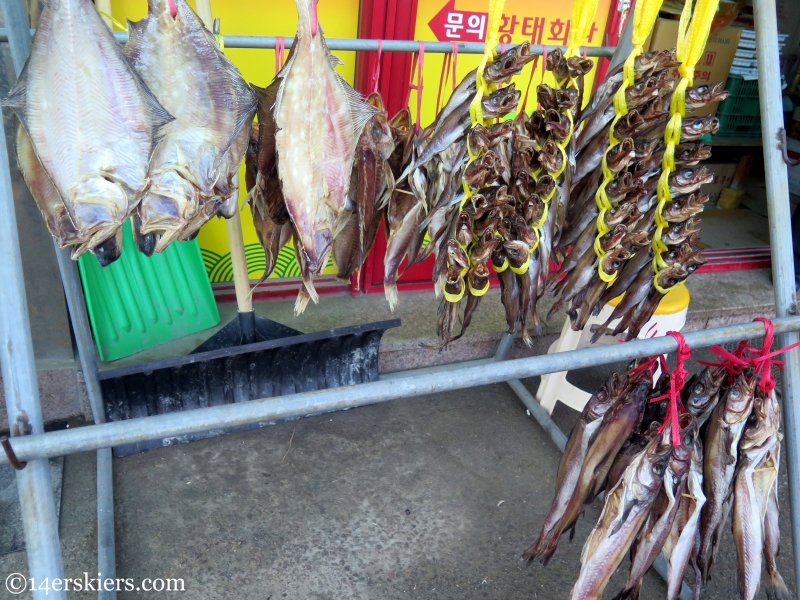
x=339, y=19
x=537, y=21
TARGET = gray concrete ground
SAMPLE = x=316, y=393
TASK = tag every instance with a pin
x=428, y=498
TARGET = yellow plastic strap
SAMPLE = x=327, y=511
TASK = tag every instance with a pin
x=523, y=267
x=583, y=13
x=492, y=38
x=113, y=20
x=454, y=297
x=478, y=293
x=502, y=267
x=692, y=37
x=220, y=41
x=644, y=17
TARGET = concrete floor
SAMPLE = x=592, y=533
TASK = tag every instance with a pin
x=434, y=497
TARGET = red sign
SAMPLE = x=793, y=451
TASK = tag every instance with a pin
x=451, y=25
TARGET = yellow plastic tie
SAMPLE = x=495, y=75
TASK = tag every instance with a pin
x=693, y=30
x=478, y=293
x=502, y=267
x=583, y=13
x=454, y=297
x=113, y=20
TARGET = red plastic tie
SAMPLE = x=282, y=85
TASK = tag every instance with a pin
x=455, y=62
x=419, y=57
x=314, y=20
x=502, y=47
x=677, y=378
x=173, y=9
x=446, y=60
x=376, y=72
x=280, y=48
x=584, y=52
x=762, y=359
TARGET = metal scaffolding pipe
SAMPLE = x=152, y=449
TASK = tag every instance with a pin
x=176, y=425
x=21, y=385
x=266, y=42
x=106, y=557
x=780, y=233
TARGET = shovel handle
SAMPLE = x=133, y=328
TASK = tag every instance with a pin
x=241, y=279
x=203, y=10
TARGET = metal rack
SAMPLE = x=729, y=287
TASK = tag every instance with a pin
x=31, y=445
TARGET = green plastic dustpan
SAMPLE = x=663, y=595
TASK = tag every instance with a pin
x=138, y=302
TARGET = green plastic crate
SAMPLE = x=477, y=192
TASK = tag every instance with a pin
x=137, y=302
x=745, y=126
x=743, y=99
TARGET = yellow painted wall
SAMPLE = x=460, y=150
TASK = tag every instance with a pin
x=521, y=9
x=339, y=19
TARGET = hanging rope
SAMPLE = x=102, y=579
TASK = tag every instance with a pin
x=644, y=17
x=417, y=65
x=677, y=378
x=376, y=73
x=692, y=37
x=280, y=47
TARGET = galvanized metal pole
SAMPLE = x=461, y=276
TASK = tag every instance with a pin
x=21, y=386
x=783, y=268
x=19, y=45
x=266, y=42
x=106, y=561
x=175, y=425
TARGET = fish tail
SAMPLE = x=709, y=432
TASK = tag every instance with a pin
x=775, y=587
x=526, y=337
x=554, y=309
x=392, y=297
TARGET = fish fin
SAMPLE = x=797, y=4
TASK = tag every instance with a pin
x=775, y=587
x=392, y=297
x=17, y=99
x=360, y=110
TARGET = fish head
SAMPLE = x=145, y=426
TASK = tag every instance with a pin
x=654, y=110
x=99, y=206
x=642, y=91
x=693, y=128
x=377, y=136
x=478, y=139
x=602, y=399
x=643, y=149
x=671, y=276
x=577, y=66
x=550, y=156
x=738, y=400
x=454, y=282
x=763, y=421
x=545, y=185
x=695, y=260
x=566, y=98
x=685, y=181
x=521, y=123
x=681, y=457
x=703, y=392
x=635, y=241
x=629, y=124
x=619, y=213
x=546, y=96
x=478, y=275
x=463, y=233
x=557, y=124
x=655, y=459
x=456, y=257
x=170, y=201
x=499, y=256
x=533, y=209
x=517, y=252
x=508, y=64
x=524, y=184
x=621, y=154
x=613, y=237
x=692, y=153
x=501, y=132
x=501, y=102
x=702, y=95
x=477, y=171
x=614, y=259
